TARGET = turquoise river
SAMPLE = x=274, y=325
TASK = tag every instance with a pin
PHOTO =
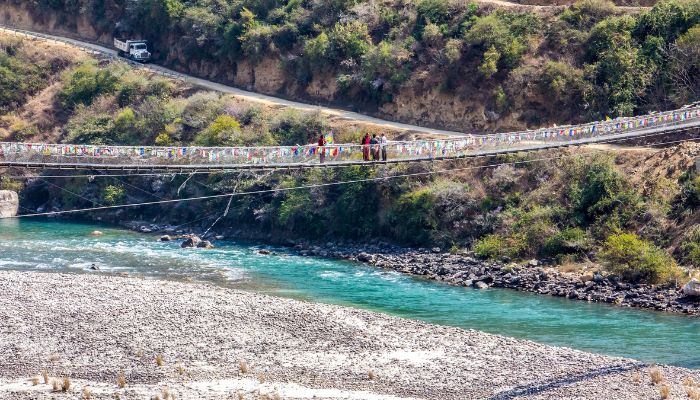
x=68, y=247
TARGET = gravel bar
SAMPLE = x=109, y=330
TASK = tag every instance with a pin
x=218, y=343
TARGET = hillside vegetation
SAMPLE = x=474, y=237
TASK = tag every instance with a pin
x=443, y=62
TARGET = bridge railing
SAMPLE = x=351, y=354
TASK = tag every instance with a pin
x=468, y=145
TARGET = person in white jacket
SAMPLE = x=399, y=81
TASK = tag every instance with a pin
x=383, y=142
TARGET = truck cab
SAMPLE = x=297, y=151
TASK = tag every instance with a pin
x=136, y=50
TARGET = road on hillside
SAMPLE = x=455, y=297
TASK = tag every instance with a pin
x=240, y=93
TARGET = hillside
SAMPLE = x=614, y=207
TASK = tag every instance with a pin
x=459, y=65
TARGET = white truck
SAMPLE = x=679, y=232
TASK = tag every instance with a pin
x=136, y=50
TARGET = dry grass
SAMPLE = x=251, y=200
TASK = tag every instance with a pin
x=371, y=375
x=156, y=397
x=664, y=391
x=636, y=378
x=689, y=381
x=240, y=396
x=180, y=369
x=45, y=375
x=117, y=396
x=692, y=393
x=261, y=378
x=86, y=393
x=56, y=386
x=121, y=380
x=139, y=354
x=34, y=380
x=66, y=384
x=159, y=360
x=166, y=393
x=656, y=376
x=243, y=367
x=54, y=357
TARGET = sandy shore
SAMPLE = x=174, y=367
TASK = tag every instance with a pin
x=91, y=328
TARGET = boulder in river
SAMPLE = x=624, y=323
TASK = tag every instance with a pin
x=191, y=242
x=480, y=285
x=96, y=233
x=205, y=244
x=165, y=238
x=692, y=288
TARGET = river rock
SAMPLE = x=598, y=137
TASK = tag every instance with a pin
x=264, y=251
x=9, y=203
x=692, y=288
x=190, y=242
x=480, y=285
x=96, y=233
x=165, y=238
x=205, y=244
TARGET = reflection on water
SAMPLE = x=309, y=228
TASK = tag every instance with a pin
x=68, y=247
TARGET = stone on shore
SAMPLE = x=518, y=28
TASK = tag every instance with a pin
x=692, y=288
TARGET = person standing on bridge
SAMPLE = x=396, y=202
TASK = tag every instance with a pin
x=321, y=150
x=383, y=142
x=365, y=147
x=374, y=144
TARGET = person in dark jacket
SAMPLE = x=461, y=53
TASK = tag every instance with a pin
x=374, y=146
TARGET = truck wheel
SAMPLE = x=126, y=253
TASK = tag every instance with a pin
x=120, y=53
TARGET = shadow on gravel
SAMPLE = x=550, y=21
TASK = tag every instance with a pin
x=537, y=388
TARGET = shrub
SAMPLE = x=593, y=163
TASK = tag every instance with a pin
x=86, y=82
x=585, y=13
x=223, y=131
x=600, y=194
x=293, y=127
x=411, y=218
x=113, y=194
x=497, y=246
x=690, y=247
x=637, y=260
x=349, y=40
x=568, y=241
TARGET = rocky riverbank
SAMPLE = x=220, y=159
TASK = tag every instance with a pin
x=130, y=338
x=464, y=269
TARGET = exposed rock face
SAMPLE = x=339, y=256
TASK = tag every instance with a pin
x=9, y=203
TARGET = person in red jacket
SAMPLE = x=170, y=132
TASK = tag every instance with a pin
x=321, y=150
x=365, y=147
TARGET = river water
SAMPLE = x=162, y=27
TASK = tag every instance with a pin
x=68, y=247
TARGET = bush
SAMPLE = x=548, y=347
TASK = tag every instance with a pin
x=568, y=241
x=296, y=128
x=585, y=13
x=690, y=247
x=636, y=260
x=223, y=131
x=497, y=246
x=113, y=194
x=598, y=193
x=411, y=218
x=349, y=40
x=87, y=82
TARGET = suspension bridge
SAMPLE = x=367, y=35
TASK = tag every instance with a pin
x=184, y=158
